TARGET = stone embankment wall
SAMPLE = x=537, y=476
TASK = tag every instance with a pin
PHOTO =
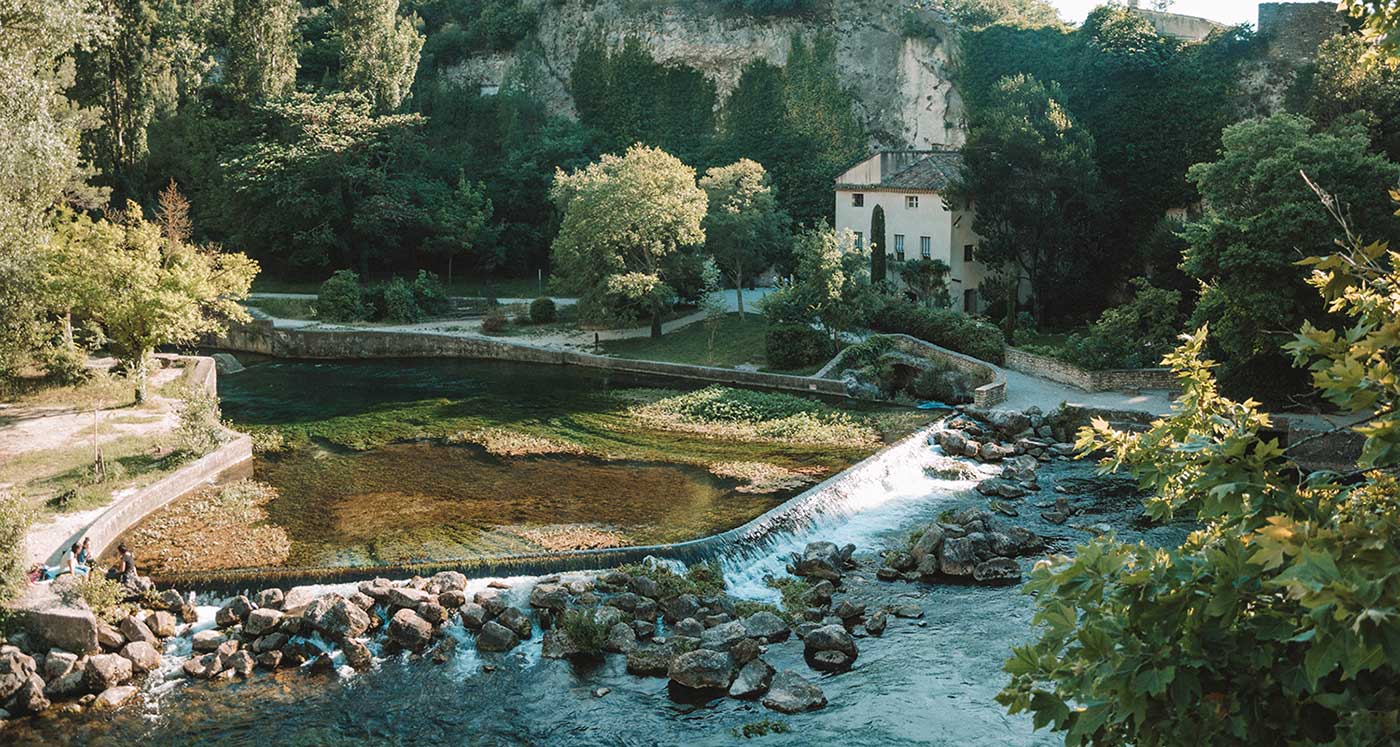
x=991, y=389
x=260, y=336
x=1090, y=381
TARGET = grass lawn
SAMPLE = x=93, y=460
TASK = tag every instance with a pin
x=736, y=342
x=285, y=308
x=1051, y=344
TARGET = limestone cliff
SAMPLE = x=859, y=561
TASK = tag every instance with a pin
x=902, y=85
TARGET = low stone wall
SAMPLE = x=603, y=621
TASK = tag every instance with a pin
x=991, y=390
x=794, y=512
x=261, y=337
x=1090, y=381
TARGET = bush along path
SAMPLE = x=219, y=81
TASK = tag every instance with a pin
x=678, y=625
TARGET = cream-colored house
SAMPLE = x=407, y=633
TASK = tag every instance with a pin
x=919, y=223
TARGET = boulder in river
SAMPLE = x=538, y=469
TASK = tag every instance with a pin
x=496, y=637
x=516, y=620
x=233, y=612
x=830, y=648
x=790, y=693
x=262, y=620
x=997, y=571
x=113, y=697
x=15, y=670
x=143, y=656
x=767, y=627
x=106, y=670
x=410, y=630
x=702, y=669
x=819, y=560
x=753, y=680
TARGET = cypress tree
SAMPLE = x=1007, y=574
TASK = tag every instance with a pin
x=877, y=245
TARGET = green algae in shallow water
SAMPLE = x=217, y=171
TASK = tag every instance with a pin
x=367, y=478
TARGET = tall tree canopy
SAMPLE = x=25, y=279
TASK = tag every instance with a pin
x=1030, y=171
x=262, y=49
x=626, y=221
x=379, y=50
x=744, y=228
x=1261, y=219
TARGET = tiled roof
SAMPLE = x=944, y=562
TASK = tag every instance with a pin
x=935, y=173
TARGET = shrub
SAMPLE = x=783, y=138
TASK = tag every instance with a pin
x=101, y=594
x=867, y=352
x=542, y=310
x=942, y=384
x=584, y=630
x=198, y=431
x=66, y=366
x=495, y=321
x=341, y=298
x=700, y=579
x=14, y=525
x=1134, y=335
x=793, y=346
x=400, y=303
x=943, y=327
x=430, y=294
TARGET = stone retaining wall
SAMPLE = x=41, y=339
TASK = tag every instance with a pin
x=991, y=390
x=795, y=512
x=261, y=337
x=1090, y=381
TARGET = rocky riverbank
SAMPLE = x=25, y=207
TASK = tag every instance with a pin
x=681, y=626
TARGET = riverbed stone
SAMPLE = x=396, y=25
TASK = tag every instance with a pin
x=15, y=669
x=452, y=598
x=689, y=627
x=162, y=623
x=558, y=645
x=432, y=612
x=492, y=600
x=357, y=654
x=680, y=607
x=109, y=637
x=875, y=624
x=446, y=581
x=820, y=594
x=269, y=659
x=233, y=612
x=645, y=586
x=270, y=599
x=958, y=557
x=69, y=629
x=270, y=642
x=830, y=639
x=201, y=667
x=621, y=639
x=767, y=627
x=722, y=637
x=790, y=693
x=106, y=670
x=516, y=620
x=30, y=698
x=377, y=589
x=609, y=616
x=752, y=681
x=702, y=669
x=58, y=663
x=66, y=686
x=361, y=600
x=848, y=610
x=997, y=571
x=262, y=620
x=241, y=663
x=644, y=628
x=410, y=630
x=207, y=639
x=819, y=560
x=406, y=597
x=473, y=615
x=337, y=617
x=549, y=597
x=143, y=656
x=113, y=697
x=444, y=651
x=496, y=637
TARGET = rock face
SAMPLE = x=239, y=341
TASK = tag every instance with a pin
x=69, y=629
x=902, y=83
x=790, y=693
x=702, y=669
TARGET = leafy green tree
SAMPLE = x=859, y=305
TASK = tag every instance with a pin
x=379, y=50
x=154, y=288
x=831, y=283
x=461, y=221
x=878, y=258
x=744, y=228
x=1261, y=218
x=116, y=77
x=928, y=279
x=39, y=154
x=1136, y=334
x=978, y=14
x=329, y=174
x=1272, y=623
x=1380, y=19
x=1041, y=226
x=262, y=49
x=1352, y=77
x=626, y=220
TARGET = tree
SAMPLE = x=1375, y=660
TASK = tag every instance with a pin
x=1260, y=220
x=40, y=160
x=878, y=258
x=831, y=285
x=1353, y=78
x=626, y=218
x=379, y=50
x=928, y=279
x=116, y=77
x=461, y=221
x=153, y=288
x=1271, y=623
x=262, y=54
x=328, y=174
x=1031, y=173
x=744, y=228
x=1380, y=19
x=976, y=14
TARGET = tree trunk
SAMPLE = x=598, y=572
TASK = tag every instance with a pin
x=142, y=363
x=450, y=255
x=656, y=324
x=739, y=291
x=68, y=330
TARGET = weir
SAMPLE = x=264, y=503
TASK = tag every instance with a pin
x=850, y=506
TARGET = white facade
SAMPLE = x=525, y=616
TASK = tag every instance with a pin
x=918, y=221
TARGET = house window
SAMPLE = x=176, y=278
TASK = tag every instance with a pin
x=926, y=247
x=858, y=200
x=860, y=241
x=967, y=252
x=899, y=247
x=970, y=301
x=911, y=201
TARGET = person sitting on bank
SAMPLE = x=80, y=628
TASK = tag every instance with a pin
x=85, y=552
x=125, y=569
x=75, y=568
